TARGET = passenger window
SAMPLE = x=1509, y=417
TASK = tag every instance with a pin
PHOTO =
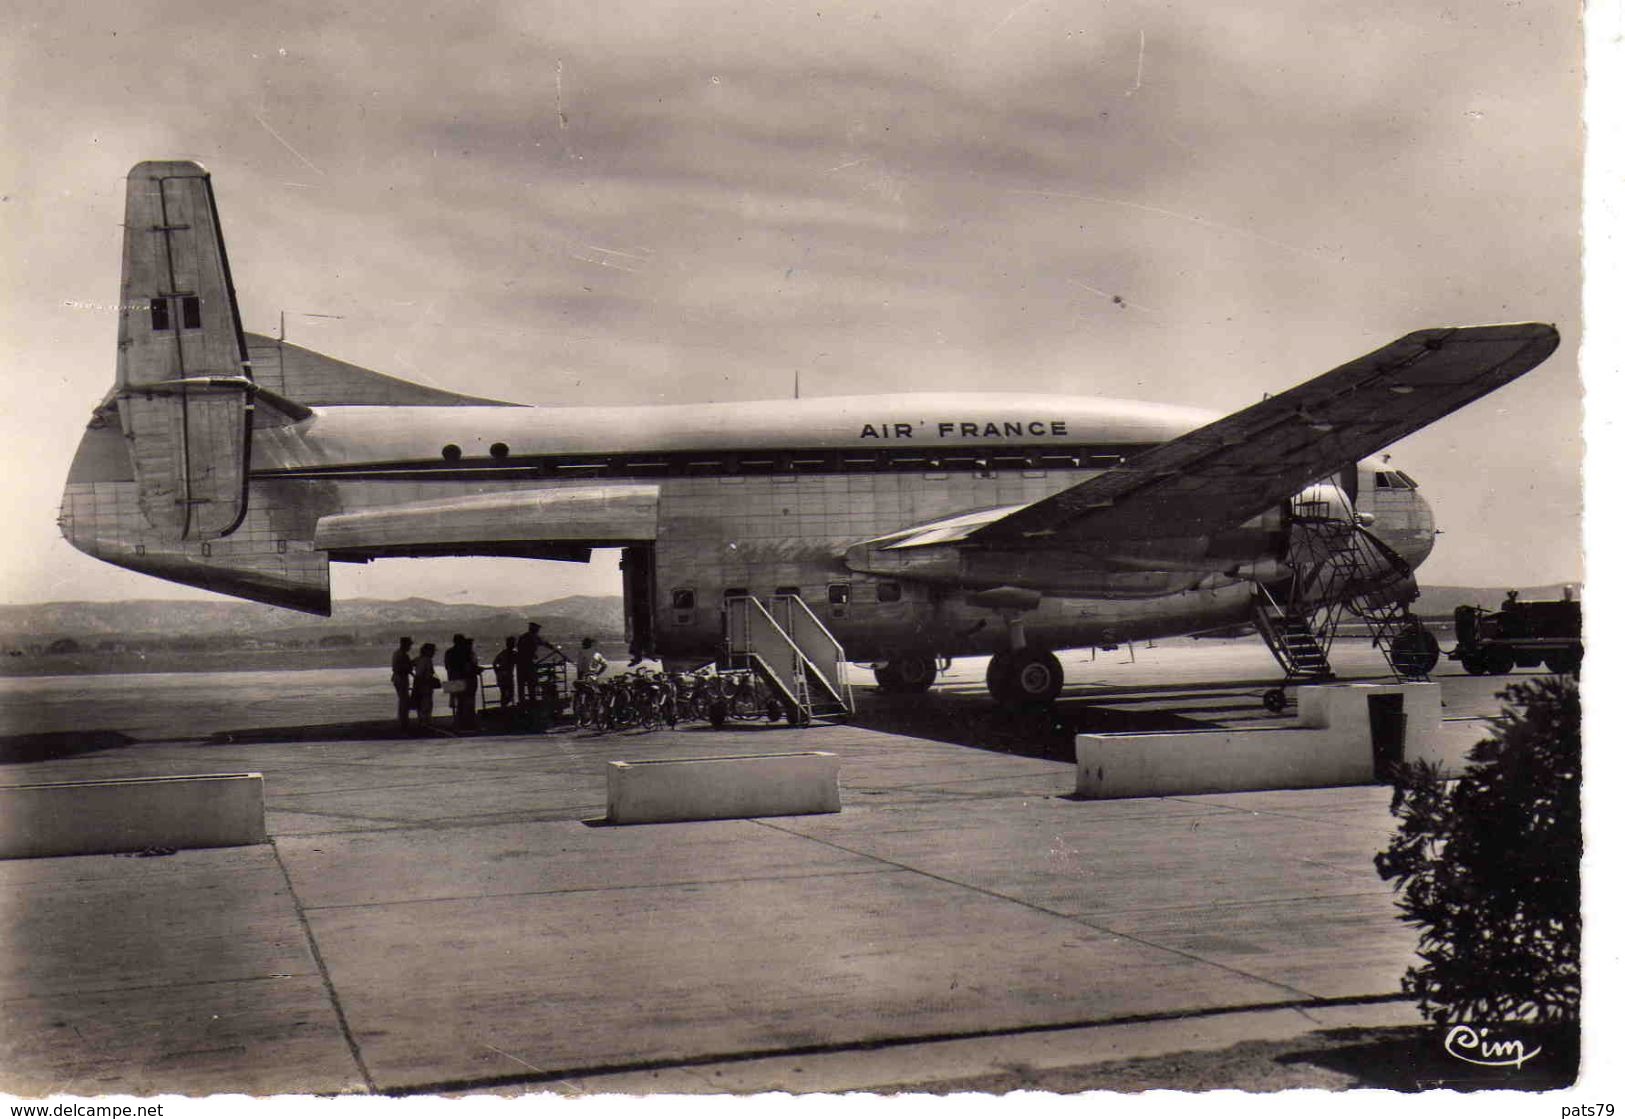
x=840, y=594
x=888, y=592
x=682, y=599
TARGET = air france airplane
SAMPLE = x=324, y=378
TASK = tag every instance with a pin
x=917, y=527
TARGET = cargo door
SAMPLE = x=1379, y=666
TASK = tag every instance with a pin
x=638, y=598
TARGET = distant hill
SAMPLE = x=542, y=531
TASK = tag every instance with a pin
x=562, y=619
x=361, y=621
x=372, y=621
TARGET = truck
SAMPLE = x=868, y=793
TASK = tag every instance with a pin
x=1519, y=635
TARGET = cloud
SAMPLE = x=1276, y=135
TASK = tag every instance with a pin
x=662, y=201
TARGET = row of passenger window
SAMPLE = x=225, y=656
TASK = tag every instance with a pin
x=817, y=461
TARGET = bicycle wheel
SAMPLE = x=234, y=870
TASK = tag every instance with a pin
x=649, y=711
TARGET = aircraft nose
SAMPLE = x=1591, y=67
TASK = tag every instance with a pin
x=1420, y=534
x=1403, y=520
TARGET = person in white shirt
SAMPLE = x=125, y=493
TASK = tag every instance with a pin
x=589, y=662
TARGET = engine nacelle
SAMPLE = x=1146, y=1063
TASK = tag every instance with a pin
x=1324, y=501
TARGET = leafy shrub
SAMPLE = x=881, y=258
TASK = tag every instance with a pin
x=1488, y=867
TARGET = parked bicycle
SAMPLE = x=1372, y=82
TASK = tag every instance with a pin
x=651, y=699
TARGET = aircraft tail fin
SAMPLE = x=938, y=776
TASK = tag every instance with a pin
x=184, y=388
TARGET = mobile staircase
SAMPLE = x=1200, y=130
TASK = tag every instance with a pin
x=1339, y=572
x=791, y=653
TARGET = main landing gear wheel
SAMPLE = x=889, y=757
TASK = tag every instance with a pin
x=910, y=673
x=997, y=666
x=1025, y=678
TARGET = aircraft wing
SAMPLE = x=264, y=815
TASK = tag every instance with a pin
x=1230, y=471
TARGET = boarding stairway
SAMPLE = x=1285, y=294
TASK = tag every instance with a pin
x=1340, y=571
x=791, y=652
x=1299, y=648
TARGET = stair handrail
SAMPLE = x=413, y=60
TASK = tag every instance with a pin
x=798, y=610
x=746, y=610
x=783, y=645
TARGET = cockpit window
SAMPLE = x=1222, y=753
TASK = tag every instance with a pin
x=1410, y=483
x=1395, y=480
x=1382, y=480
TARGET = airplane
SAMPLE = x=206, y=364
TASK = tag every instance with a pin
x=917, y=527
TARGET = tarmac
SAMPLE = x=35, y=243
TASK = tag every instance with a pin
x=451, y=915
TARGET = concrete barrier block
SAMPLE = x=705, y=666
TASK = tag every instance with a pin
x=104, y=817
x=1331, y=744
x=1346, y=708
x=1182, y=763
x=723, y=788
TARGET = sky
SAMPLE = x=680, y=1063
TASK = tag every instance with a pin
x=639, y=202
x=615, y=203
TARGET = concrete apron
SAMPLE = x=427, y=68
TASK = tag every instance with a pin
x=441, y=917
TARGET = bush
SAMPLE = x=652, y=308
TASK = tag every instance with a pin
x=1488, y=867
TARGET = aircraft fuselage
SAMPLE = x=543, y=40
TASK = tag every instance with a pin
x=758, y=497
x=915, y=526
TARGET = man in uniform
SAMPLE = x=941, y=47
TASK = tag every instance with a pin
x=526, y=650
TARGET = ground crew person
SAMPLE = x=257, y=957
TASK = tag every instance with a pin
x=424, y=682
x=400, y=675
x=528, y=649
x=462, y=678
x=589, y=662
x=504, y=664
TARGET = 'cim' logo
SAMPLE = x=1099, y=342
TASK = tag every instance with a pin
x=1477, y=1048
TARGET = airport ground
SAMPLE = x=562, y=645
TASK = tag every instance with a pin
x=441, y=914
